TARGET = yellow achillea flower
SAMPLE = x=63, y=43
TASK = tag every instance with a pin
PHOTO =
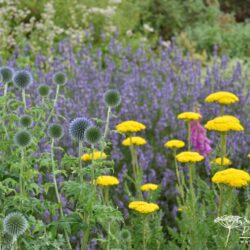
x=135, y=140
x=189, y=116
x=143, y=207
x=218, y=161
x=130, y=126
x=107, y=180
x=248, y=155
x=222, y=97
x=174, y=144
x=149, y=187
x=224, y=123
x=232, y=177
x=189, y=156
x=97, y=155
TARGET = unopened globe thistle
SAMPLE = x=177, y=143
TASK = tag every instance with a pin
x=6, y=73
x=78, y=126
x=60, y=78
x=112, y=98
x=92, y=135
x=22, y=79
x=43, y=90
x=15, y=224
x=26, y=121
x=125, y=235
x=22, y=138
x=55, y=131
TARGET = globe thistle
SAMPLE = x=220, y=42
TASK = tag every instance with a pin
x=22, y=79
x=22, y=138
x=43, y=90
x=55, y=131
x=12, y=105
x=60, y=78
x=26, y=121
x=125, y=235
x=112, y=98
x=7, y=240
x=78, y=126
x=6, y=73
x=15, y=224
x=92, y=135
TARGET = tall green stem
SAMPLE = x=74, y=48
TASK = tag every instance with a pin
x=144, y=236
x=57, y=192
x=24, y=99
x=107, y=122
x=22, y=190
x=85, y=238
x=223, y=146
x=80, y=160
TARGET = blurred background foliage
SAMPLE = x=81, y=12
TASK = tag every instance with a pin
x=197, y=25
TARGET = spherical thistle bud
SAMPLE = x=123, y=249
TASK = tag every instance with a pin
x=22, y=79
x=112, y=98
x=125, y=235
x=43, y=90
x=55, y=131
x=12, y=105
x=78, y=126
x=92, y=135
x=7, y=240
x=26, y=121
x=22, y=139
x=15, y=224
x=60, y=78
x=6, y=73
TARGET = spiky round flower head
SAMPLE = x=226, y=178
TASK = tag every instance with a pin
x=78, y=126
x=60, y=78
x=92, y=135
x=7, y=240
x=6, y=73
x=22, y=79
x=15, y=224
x=112, y=98
x=26, y=121
x=125, y=235
x=55, y=131
x=43, y=90
x=22, y=138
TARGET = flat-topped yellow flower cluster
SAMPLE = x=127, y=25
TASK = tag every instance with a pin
x=224, y=123
x=149, y=187
x=188, y=116
x=189, y=156
x=97, y=156
x=130, y=127
x=174, y=144
x=218, y=161
x=232, y=177
x=107, y=180
x=135, y=140
x=143, y=207
x=222, y=97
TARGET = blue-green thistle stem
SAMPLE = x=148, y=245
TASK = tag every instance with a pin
x=57, y=192
x=107, y=123
x=24, y=99
x=93, y=168
x=5, y=89
x=80, y=160
x=21, y=185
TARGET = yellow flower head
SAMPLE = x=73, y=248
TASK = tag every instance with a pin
x=188, y=116
x=218, y=161
x=232, y=177
x=143, y=207
x=97, y=155
x=189, y=156
x=222, y=97
x=130, y=126
x=149, y=187
x=224, y=123
x=107, y=180
x=135, y=140
x=248, y=156
x=174, y=144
